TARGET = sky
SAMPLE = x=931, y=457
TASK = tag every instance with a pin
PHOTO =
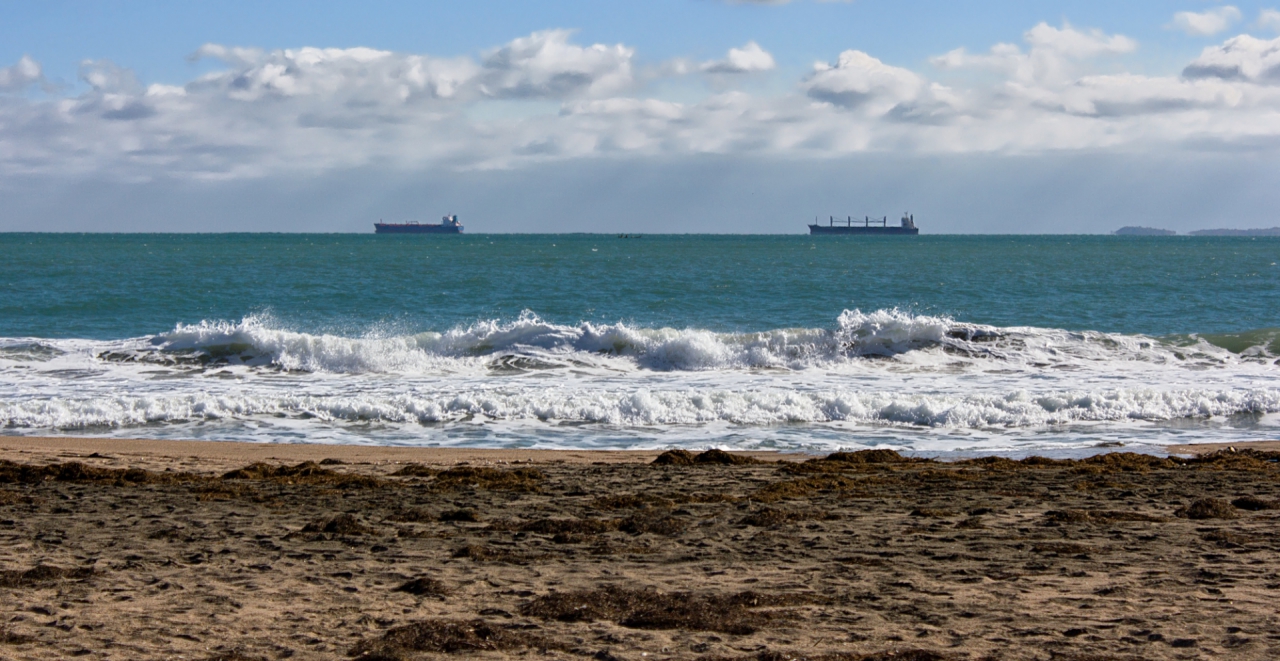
x=994, y=116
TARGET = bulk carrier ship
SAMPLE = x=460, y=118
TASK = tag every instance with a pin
x=868, y=226
x=449, y=226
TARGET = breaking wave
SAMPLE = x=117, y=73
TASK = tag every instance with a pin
x=532, y=343
x=888, y=373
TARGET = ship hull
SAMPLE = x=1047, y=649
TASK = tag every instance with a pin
x=862, y=230
x=387, y=228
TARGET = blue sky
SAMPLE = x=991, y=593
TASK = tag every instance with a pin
x=200, y=115
x=155, y=38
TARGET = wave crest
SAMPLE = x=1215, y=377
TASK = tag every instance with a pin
x=529, y=342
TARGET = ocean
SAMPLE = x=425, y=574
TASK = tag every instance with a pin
x=935, y=345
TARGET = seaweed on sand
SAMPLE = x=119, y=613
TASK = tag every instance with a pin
x=42, y=576
x=1111, y=462
x=806, y=488
x=650, y=609
x=844, y=461
x=1208, y=508
x=720, y=457
x=307, y=472
x=674, y=458
x=493, y=479
x=868, y=457
x=415, y=470
x=1006, y=464
x=423, y=586
x=894, y=655
x=74, y=471
x=343, y=524
x=10, y=638
x=234, y=656
x=447, y=636
x=713, y=456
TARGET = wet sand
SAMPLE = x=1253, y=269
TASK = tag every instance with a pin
x=202, y=550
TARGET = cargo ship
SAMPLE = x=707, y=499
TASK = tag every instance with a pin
x=449, y=226
x=868, y=226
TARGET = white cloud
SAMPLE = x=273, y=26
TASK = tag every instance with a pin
x=750, y=58
x=857, y=80
x=1239, y=58
x=542, y=97
x=1052, y=54
x=542, y=65
x=1071, y=42
x=105, y=77
x=348, y=73
x=1269, y=19
x=545, y=64
x=1130, y=95
x=1206, y=23
x=1048, y=98
x=21, y=75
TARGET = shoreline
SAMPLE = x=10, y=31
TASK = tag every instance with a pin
x=238, y=453
x=24, y=448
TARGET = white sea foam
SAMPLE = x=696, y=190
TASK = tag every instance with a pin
x=883, y=333
x=644, y=407
x=887, y=374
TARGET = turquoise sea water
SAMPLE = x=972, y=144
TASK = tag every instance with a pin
x=117, y=286
x=931, y=343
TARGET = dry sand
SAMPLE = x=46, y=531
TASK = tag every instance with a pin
x=150, y=549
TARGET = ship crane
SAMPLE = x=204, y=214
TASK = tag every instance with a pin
x=868, y=226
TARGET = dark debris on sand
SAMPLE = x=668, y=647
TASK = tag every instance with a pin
x=234, y=656
x=74, y=471
x=712, y=457
x=857, y=556
x=307, y=472
x=737, y=613
x=343, y=524
x=423, y=586
x=42, y=576
x=1255, y=504
x=415, y=470
x=894, y=655
x=483, y=477
x=1208, y=508
x=447, y=636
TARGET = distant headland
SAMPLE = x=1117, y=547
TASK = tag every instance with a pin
x=1153, y=231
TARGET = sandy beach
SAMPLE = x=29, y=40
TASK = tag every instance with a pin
x=206, y=550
